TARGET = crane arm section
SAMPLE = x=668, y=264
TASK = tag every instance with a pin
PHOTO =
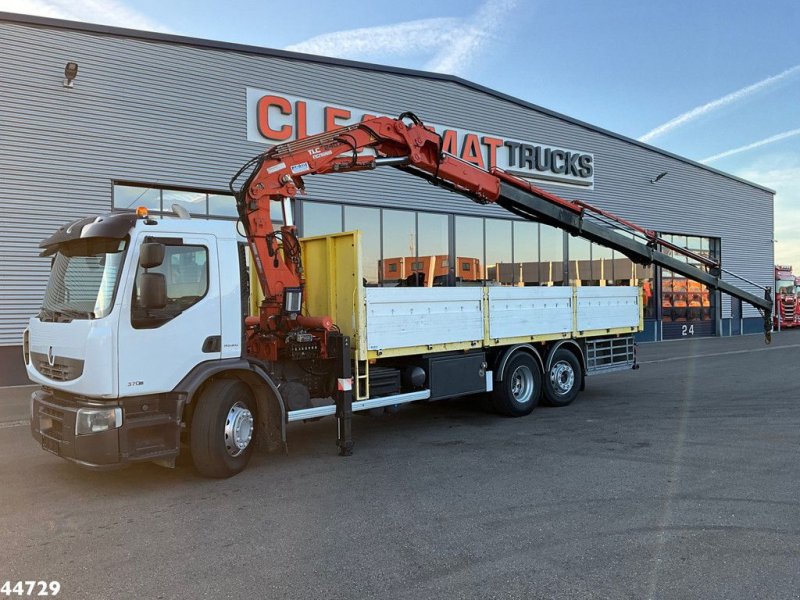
x=417, y=149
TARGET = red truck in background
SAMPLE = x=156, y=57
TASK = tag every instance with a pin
x=786, y=301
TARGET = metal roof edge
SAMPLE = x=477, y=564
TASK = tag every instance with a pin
x=249, y=49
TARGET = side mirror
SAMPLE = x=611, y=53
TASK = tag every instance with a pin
x=151, y=254
x=152, y=290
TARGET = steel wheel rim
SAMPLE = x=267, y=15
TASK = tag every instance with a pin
x=562, y=377
x=238, y=429
x=522, y=384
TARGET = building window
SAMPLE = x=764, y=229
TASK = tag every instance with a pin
x=392, y=267
x=525, y=268
x=499, y=250
x=128, y=197
x=368, y=222
x=469, y=249
x=551, y=261
x=681, y=298
x=321, y=219
x=399, y=244
x=199, y=203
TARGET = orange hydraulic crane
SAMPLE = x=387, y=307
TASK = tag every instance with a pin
x=407, y=144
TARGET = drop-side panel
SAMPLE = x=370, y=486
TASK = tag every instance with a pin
x=403, y=317
x=607, y=307
x=519, y=311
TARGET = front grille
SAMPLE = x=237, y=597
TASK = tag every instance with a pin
x=788, y=310
x=62, y=369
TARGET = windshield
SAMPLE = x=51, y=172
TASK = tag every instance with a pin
x=784, y=286
x=83, y=279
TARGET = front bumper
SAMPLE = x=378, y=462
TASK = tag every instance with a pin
x=150, y=430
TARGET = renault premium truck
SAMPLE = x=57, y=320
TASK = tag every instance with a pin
x=145, y=346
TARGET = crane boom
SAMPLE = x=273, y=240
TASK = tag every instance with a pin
x=414, y=148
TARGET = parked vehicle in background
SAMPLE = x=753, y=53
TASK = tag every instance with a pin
x=786, y=313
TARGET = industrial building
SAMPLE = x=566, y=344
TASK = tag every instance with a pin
x=97, y=119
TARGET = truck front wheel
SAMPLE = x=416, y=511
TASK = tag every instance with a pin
x=517, y=394
x=223, y=428
x=563, y=380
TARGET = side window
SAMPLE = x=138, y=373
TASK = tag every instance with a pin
x=185, y=271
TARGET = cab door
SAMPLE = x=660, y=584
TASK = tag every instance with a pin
x=159, y=346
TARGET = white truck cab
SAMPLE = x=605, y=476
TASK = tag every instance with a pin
x=112, y=367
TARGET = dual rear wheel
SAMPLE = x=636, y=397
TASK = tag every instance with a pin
x=523, y=384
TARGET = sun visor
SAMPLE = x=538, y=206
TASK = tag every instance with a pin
x=114, y=226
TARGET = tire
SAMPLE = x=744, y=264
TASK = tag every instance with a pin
x=563, y=380
x=518, y=393
x=223, y=429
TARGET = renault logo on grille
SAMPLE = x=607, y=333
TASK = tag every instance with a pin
x=51, y=358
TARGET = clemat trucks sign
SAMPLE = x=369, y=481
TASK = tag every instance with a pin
x=274, y=118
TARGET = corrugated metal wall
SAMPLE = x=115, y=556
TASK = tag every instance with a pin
x=172, y=114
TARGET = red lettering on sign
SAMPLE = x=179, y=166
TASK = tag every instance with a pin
x=472, y=150
x=300, y=119
x=331, y=114
x=262, y=118
x=492, y=143
x=450, y=142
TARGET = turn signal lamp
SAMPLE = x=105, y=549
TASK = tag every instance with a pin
x=141, y=212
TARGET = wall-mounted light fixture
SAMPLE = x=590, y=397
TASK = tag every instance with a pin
x=70, y=73
x=658, y=177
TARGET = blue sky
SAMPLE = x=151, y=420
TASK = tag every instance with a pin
x=717, y=82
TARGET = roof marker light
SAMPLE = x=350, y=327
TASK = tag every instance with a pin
x=141, y=212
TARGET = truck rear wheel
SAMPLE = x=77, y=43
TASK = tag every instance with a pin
x=223, y=428
x=563, y=380
x=518, y=393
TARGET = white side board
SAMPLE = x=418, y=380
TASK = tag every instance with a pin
x=518, y=311
x=607, y=307
x=403, y=317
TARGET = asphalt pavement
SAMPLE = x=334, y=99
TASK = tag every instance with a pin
x=678, y=480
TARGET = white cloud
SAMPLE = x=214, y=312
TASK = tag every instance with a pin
x=479, y=31
x=726, y=100
x=452, y=43
x=774, y=138
x=104, y=12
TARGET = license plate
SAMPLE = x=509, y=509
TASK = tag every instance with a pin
x=50, y=445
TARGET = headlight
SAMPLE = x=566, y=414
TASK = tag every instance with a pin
x=95, y=420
